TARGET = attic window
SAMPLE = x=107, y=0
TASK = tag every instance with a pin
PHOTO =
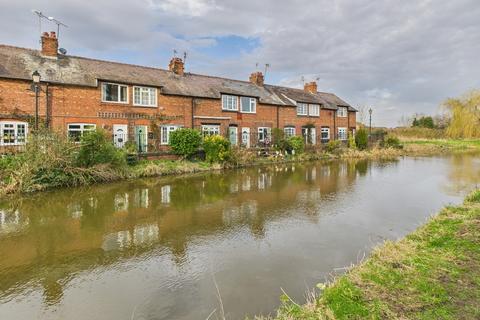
x=117, y=93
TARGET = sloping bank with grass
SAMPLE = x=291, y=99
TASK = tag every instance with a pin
x=433, y=273
x=51, y=160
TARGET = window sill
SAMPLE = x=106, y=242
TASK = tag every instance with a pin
x=115, y=102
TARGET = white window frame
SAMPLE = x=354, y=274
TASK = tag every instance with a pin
x=302, y=109
x=165, y=131
x=289, y=131
x=152, y=96
x=314, y=110
x=119, y=92
x=229, y=102
x=252, y=105
x=322, y=131
x=342, y=133
x=82, y=129
x=265, y=132
x=342, y=112
x=16, y=140
x=210, y=129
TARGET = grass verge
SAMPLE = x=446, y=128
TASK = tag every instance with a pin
x=433, y=273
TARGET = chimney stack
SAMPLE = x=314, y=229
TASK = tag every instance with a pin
x=257, y=78
x=176, y=65
x=310, y=87
x=49, y=44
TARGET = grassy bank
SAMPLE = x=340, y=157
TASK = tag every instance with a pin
x=433, y=273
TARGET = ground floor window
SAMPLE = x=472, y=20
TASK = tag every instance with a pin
x=289, y=131
x=13, y=133
x=264, y=134
x=165, y=133
x=77, y=130
x=342, y=134
x=325, y=134
x=210, y=130
x=310, y=135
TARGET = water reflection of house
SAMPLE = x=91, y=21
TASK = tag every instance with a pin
x=107, y=223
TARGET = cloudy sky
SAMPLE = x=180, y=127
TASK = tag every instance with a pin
x=399, y=57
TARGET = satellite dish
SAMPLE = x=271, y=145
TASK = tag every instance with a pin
x=62, y=51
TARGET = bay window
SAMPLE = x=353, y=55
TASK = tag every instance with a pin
x=112, y=92
x=264, y=134
x=144, y=96
x=13, y=133
x=289, y=131
x=325, y=134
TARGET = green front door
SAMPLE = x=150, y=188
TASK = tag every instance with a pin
x=141, y=138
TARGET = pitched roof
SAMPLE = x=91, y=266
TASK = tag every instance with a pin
x=20, y=63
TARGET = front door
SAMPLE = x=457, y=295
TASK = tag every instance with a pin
x=141, y=138
x=246, y=137
x=120, y=135
x=232, y=134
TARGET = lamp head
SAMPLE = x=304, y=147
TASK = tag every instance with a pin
x=36, y=77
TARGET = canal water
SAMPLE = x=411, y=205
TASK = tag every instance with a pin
x=160, y=248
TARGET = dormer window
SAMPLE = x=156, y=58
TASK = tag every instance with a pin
x=116, y=93
x=342, y=112
x=229, y=102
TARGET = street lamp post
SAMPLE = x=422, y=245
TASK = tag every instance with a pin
x=370, y=128
x=36, y=87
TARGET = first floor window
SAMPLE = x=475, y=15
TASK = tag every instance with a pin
x=325, y=134
x=210, y=130
x=248, y=105
x=302, y=109
x=77, y=130
x=165, y=133
x=264, y=134
x=13, y=133
x=342, y=112
x=112, y=92
x=289, y=131
x=314, y=110
x=144, y=96
x=229, y=102
x=342, y=133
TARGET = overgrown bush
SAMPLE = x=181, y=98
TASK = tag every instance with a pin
x=361, y=139
x=333, y=146
x=217, y=148
x=351, y=141
x=391, y=142
x=185, y=142
x=280, y=142
x=96, y=147
x=297, y=144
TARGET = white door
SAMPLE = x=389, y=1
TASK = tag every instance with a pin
x=246, y=137
x=120, y=135
x=232, y=133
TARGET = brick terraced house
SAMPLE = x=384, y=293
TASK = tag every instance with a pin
x=144, y=104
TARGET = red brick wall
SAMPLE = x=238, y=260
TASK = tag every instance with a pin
x=74, y=104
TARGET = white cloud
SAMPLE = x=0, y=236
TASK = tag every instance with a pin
x=404, y=57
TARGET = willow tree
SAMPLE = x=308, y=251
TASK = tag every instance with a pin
x=465, y=115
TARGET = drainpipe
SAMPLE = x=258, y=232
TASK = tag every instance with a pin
x=47, y=109
x=193, y=110
x=334, y=125
x=278, y=117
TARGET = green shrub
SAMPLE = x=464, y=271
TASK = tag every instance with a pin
x=333, y=146
x=351, y=141
x=217, y=148
x=96, y=147
x=361, y=139
x=185, y=142
x=392, y=142
x=296, y=144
